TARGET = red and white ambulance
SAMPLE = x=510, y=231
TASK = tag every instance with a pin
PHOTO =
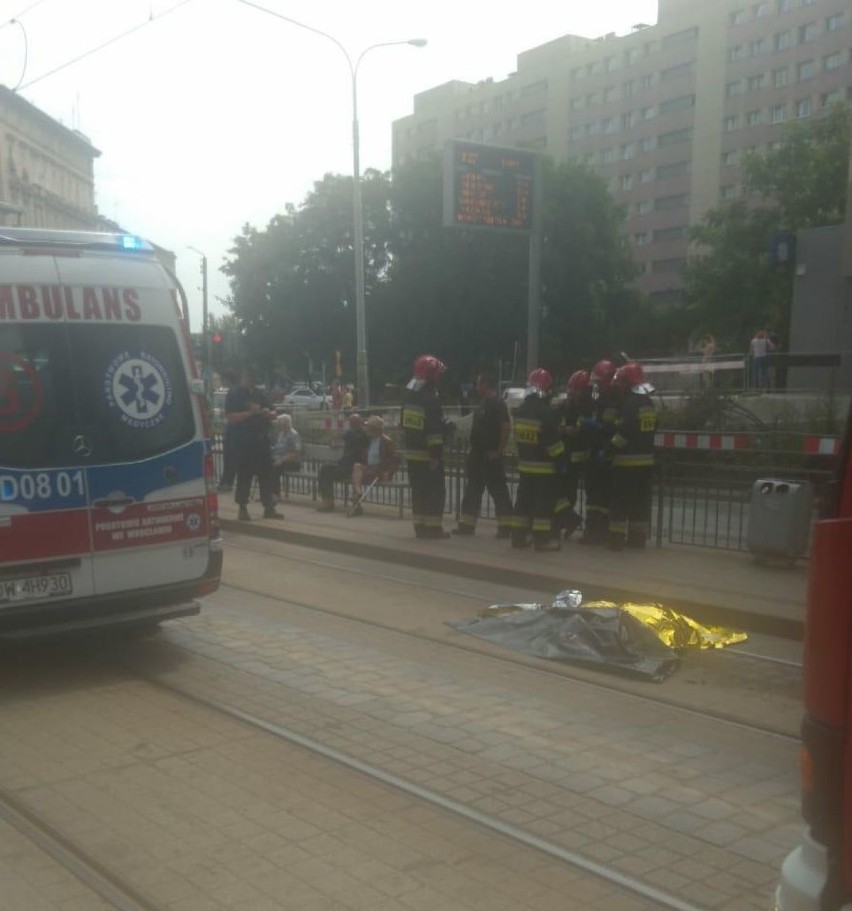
x=108, y=512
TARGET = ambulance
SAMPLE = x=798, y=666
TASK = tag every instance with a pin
x=108, y=510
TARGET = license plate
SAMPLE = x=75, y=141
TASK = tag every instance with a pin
x=31, y=587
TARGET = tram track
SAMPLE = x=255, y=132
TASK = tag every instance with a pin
x=472, y=647
x=103, y=882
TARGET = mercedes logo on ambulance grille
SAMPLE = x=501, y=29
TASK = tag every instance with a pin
x=81, y=446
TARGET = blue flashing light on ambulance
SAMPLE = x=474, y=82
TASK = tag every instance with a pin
x=108, y=509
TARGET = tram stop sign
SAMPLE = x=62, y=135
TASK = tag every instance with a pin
x=488, y=186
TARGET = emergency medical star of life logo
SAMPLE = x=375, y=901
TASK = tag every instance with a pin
x=138, y=387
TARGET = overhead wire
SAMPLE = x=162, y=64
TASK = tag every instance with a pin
x=23, y=12
x=26, y=53
x=103, y=44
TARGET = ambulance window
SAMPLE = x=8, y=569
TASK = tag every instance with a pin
x=36, y=396
x=132, y=393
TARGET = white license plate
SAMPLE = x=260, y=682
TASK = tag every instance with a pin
x=31, y=587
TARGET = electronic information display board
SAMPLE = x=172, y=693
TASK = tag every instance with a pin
x=488, y=186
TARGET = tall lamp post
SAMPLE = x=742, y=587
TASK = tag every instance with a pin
x=361, y=371
x=205, y=327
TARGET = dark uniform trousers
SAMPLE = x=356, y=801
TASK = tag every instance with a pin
x=254, y=460
x=482, y=473
x=428, y=492
x=598, y=482
x=630, y=503
x=535, y=502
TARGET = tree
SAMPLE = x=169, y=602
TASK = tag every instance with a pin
x=732, y=286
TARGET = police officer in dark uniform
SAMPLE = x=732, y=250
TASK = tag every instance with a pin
x=598, y=431
x=632, y=460
x=423, y=433
x=249, y=415
x=573, y=415
x=484, y=469
x=540, y=449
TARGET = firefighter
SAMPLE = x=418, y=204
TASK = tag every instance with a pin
x=598, y=430
x=484, y=469
x=632, y=460
x=573, y=414
x=540, y=449
x=423, y=434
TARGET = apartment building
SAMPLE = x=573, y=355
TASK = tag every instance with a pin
x=665, y=112
x=46, y=169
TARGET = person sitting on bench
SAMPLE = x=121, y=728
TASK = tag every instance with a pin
x=354, y=443
x=379, y=463
x=287, y=449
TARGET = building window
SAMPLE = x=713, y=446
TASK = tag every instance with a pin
x=591, y=158
x=755, y=83
x=576, y=104
x=534, y=88
x=779, y=113
x=627, y=89
x=833, y=61
x=608, y=64
x=592, y=99
x=631, y=56
x=576, y=73
x=731, y=123
x=627, y=120
x=678, y=264
x=807, y=32
x=608, y=126
x=807, y=70
x=665, y=171
x=592, y=129
x=737, y=52
x=688, y=34
x=671, y=202
x=646, y=81
x=833, y=23
x=608, y=156
x=675, y=136
x=676, y=72
x=784, y=6
x=761, y=10
x=753, y=118
x=780, y=77
x=642, y=238
x=628, y=151
x=732, y=89
x=782, y=40
x=626, y=181
x=804, y=107
x=675, y=233
x=677, y=104
x=738, y=17
x=646, y=144
x=731, y=191
x=646, y=176
x=644, y=206
x=757, y=47
x=575, y=132
x=830, y=98
x=609, y=93
x=729, y=159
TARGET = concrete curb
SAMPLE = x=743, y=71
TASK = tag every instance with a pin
x=709, y=614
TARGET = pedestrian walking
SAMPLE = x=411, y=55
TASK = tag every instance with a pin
x=423, y=430
x=354, y=443
x=540, y=449
x=632, y=460
x=484, y=469
x=248, y=412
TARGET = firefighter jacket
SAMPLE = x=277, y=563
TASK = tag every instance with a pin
x=573, y=417
x=633, y=440
x=537, y=438
x=422, y=425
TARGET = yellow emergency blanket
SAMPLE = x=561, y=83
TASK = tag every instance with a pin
x=673, y=629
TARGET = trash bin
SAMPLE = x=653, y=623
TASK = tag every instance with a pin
x=779, y=522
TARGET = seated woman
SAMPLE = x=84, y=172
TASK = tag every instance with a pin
x=286, y=450
x=380, y=461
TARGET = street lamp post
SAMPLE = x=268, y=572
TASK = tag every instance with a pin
x=205, y=327
x=361, y=370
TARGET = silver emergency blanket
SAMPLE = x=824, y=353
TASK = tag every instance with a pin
x=642, y=640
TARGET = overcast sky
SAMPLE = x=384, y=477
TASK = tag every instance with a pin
x=217, y=114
